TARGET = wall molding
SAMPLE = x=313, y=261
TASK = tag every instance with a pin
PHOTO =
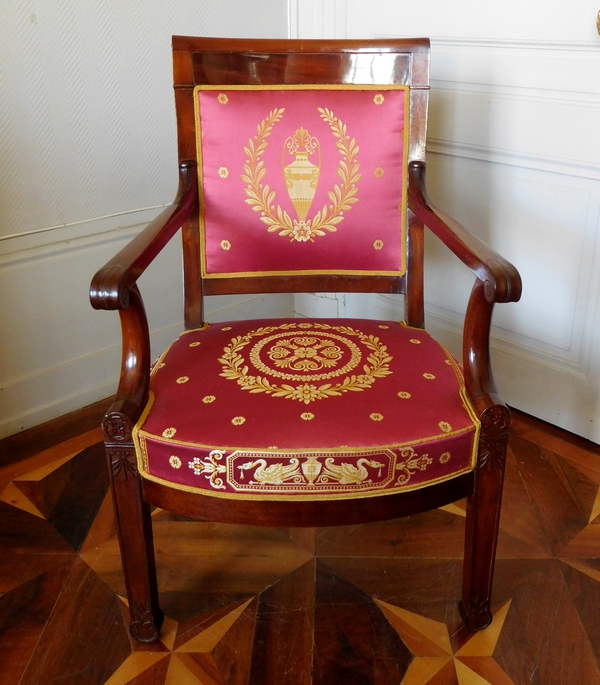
x=507, y=44
x=317, y=19
x=37, y=231
x=73, y=235
x=515, y=158
x=567, y=98
x=517, y=44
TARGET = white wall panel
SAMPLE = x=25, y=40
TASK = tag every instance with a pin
x=87, y=155
x=513, y=153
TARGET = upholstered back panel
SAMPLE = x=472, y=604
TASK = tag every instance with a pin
x=302, y=179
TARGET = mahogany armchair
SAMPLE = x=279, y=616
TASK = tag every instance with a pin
x=302, y=169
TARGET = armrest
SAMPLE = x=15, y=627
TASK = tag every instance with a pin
x=501, y=280
x=110, y=286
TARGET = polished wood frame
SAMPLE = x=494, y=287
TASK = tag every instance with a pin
x=199, y=61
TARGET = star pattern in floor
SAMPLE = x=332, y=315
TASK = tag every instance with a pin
x=359, y=604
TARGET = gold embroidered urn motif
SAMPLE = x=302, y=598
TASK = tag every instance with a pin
x=322, y=352
x=301, y=178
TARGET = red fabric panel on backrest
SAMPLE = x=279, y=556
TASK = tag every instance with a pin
x=302, y=179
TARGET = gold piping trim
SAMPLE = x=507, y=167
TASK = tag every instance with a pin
x=398, y=273
x=140, y=451
x=303, y=272
x=332, y=450
x=156, y=366
x=304, y=86
x=466, y=402
x=195, y=330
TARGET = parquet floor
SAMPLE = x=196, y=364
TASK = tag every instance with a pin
x=370, y=604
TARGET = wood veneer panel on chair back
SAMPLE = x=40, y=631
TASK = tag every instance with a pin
x=211, y=61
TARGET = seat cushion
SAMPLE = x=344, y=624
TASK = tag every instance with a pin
x=287, y=408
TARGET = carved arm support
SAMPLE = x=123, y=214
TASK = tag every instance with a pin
x=114, y=287
x=497, y=281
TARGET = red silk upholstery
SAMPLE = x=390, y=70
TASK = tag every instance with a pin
x=291, y=408
x=302, y=179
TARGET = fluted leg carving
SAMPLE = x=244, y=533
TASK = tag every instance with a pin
x=135, y=533
x=483, y=519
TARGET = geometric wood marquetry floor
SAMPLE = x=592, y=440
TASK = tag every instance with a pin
x=368, y=604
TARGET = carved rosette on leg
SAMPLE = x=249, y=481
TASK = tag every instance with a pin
x=483, y=518
x=134, y=529
x=144, y=626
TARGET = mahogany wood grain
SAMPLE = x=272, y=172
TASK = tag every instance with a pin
x=199, y=61
x=303, y=284
x=414, y=302
x=306, y=513
x=296, y=628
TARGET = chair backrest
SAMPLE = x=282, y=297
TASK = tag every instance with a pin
x=302, y=150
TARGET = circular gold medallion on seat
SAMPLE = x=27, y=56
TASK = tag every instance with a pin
x=305, y=353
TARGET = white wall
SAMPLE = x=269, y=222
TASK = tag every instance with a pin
x=87, y=156
x=513, y=153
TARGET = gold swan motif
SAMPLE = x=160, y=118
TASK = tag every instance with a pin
x=275, y=474
x=347, y=474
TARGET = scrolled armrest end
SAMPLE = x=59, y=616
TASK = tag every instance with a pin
x=505, y=286
x=107, y=290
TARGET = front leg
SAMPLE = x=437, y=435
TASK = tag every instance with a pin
x=134, y=528
x=483, y=519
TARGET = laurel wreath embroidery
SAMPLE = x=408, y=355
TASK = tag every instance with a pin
x=234, y=367
x=262, y=198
